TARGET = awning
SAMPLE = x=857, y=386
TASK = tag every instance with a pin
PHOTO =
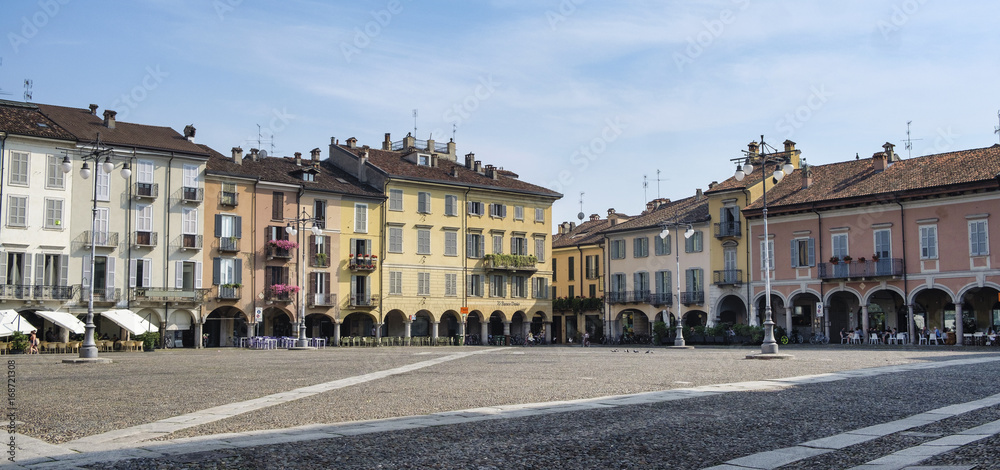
x=10, y=322
x=179, y=321
x=63, y=319
x=130, y=321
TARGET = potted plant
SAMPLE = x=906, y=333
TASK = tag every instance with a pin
x=18, y=343
x=321, y=259
x=847, y=259
x=862, y=259
x=149, y=340
x=834, y=260
x=875, y=258
x=284, y=244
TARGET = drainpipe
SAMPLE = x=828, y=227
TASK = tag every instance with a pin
x=819, y=256
x=253, y=272
x=3, y=146
x=582, y=273
x=906, y=287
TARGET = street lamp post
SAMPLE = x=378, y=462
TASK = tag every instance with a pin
x=679, y=339
x=783, y=166
x=292, y=228
x=88, y=350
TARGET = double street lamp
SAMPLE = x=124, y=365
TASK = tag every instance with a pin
x=679, y=340
x=292, y=228
x=782, y=166
x=88, y=350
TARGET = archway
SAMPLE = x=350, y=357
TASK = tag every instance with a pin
x=693, y=318
x=319, y=325
x=803, y=315
x=394, y=324
x=449, y=324
x=887, y=310
x=538, y=324
x=277, y=322
x=180, y=331
x=357, y=324
x=936, y=306
x=474, y=327
x=777, y=309
x=981, y=309
x=496, y=324
x=517, y=324
x=844, y=310
x=421, y=325
x=732, y=310
x=225, y=326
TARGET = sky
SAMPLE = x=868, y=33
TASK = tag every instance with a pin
x=579, y=96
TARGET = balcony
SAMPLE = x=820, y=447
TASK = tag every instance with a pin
x=693, y=297
x=363, y=262
x=146, y=294
x=274, y=252
x=229, y=292
x=229, y=244
x=13, y=291
x=101, y=295
x=229, y=199
x=146, y=191
x=728, y=229
x=662, y=299
x=52, y=292
x=363, y=301
x=279, y=293
x=99, y=239
x=190, y=195
x=499, y=262
x=321, y=300
x=144, y=239
x=631, y=296
x=728, y=277
x=868, y=269
x=188, y=242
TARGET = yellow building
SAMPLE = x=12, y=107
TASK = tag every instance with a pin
x=465, y=247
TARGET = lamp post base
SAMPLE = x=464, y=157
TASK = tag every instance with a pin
x=301, y=348
x=87, y=360
x=770, y=356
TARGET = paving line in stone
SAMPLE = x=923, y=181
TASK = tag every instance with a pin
x=784, y=456
x=163, y=427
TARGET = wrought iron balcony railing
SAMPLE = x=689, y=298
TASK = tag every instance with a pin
x=693, y=297
x=662, y=299
x=102, y=295
x=884, y=267
x=321, y=300
x=360, y=300
x=631, y=296
x=189, y=194
x=146, y=190
x=149, y=294
x=189, y=242
x=229, y=292
x=229, y=244
x=728, y=277
x=728, y=229
x=363, y=262
x=101, y=239
x=229, y=199
x=144, y=239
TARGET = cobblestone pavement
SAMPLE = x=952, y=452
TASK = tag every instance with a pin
x=667, y=410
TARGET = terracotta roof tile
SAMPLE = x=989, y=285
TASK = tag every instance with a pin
x=85, y=127
x=284, y=170
x=587, y=233
x=688, y=210
x=25, y=119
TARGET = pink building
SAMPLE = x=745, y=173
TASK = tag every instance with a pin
x=883, y=243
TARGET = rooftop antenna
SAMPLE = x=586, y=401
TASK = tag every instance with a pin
x=580, y=214
x=454, y=128
x=645, y=184
x=658, y=183
x=28, y=83
x=909, y=141
x=414, y=122
x=997, y=130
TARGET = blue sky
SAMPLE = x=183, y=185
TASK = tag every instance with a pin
x=574, y=95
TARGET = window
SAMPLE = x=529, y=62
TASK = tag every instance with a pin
x=540, y=249
x=540, y=288
x=593, y=290
x=190, y=177
x=451, y=284
x=395, y=283
x=423, y=242
x=497, y=244
x=770, y=254
x=640, y=247
x=618, y=283
x=144, y=223
x=474, y=285
x=570, y=264
x=497, y=288
x=883, y=244
x=661, y=246
x=361, y=218
x=518, y=212
x=395, y=199
x=424, y=202
x=539, y=214
x=395, y=239
x=518, y=286
x=103, y=183
x=695, y=280
x=224, y=271
x=474, y=245
x=572, y=291
x=694, y=243
x=423, y=159
x=189, y=222
x=277, y=206
x=475, y=208
x=17, y=211
x=53, y=213
x=228, y=196
x=519, y=246
x=663, y=282
x=140, y=273
x=928, y=242
x=555, y=270
x=319, y=213
x=451, y=243
x=978, y=238
x=308, y=176
x=498, y=210
x=53, y=173
x=593, y=266
x=640, y=282
x=360, y=246
x=423, y=283
x=19, y=168
x=617, y=249
x=803, y=252
x=450, y=205
x=144, y=173
x=839, y=245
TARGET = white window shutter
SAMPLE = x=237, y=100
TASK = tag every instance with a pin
x=86, y=271
x=110, y=283
x=63, y=269
x=147, y=272
x=197, y=274
x=131, y=272
x=39, y=269
x=3, y=267
x=179, y=274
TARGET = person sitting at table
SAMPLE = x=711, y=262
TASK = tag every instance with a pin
x=888, y=334
x=937, y=333
x=104, y=336
x=991, y=336
x=845, y=335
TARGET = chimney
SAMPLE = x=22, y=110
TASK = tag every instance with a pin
x=362, y=167
x=478, y=167
x=315, y=154
x=189, y=131
x=238, y=155
x=650, y=206
x=699, y=195
x=254, y=154
x=93, y=109
x=880, y=162
x=352, y=143
x=454, y=171
x=595, y=217
x=752, y=149
x=409, y=141
x=562, y=228
x=387, y=143
x=451, y=149
x=109, y=118
x=712, y=184
x=470, y=159
x=430, y=145
x=298, y=158
x=890, y=153
x=572, y=225
x=434, y=161
x=807, y=176
x=789, y=146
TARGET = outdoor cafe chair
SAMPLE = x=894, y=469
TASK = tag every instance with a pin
x=967, y=339
x=874, y=339
x=900, y=338
x=932, y=338
x=979, y=338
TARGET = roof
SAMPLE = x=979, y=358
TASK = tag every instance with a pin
x=587, y=233
x=25, y=119
x=393, y=164
x=857, y=180
x=86, y=126
x=732, y=184
x=284, y=170
x=689, y=210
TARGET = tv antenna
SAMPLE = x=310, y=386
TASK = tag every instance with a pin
x=261, y=141
x=997, y=129
x=909, y=141
x=454, y=128
x=658, y=179
x=645, y=184
x=414, y=122
x=580, y=214
x=28, y=83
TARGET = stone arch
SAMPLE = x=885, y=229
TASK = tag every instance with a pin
x=358, y=324
x=496, y=325
x=981, y=306
x=448, y=326
x=475, y=324
x=803, y=313
x=180, y=330
x=519, y=324
x=224, y=326
x=695, y=318
x=924, y=287
x=277, y=322
x=538, y=323
x=778, y=302
x=866, y=299
x=394, y=324
x=320, y=325
x=731, y=308
x=887, y=309
x=420, y=323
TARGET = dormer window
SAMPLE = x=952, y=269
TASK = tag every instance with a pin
x=308, y=177
x=423, y=159
x=306, y=174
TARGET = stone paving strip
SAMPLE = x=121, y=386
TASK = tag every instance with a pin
x=120, y=446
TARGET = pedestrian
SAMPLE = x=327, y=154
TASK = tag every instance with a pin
x=33, y=342
x=586, y=338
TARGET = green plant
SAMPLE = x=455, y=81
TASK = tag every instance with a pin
x=18, y=341
x=321, y=259
x=834, y=260
x=149, y=340
x=660, y=332
x=233, y=285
